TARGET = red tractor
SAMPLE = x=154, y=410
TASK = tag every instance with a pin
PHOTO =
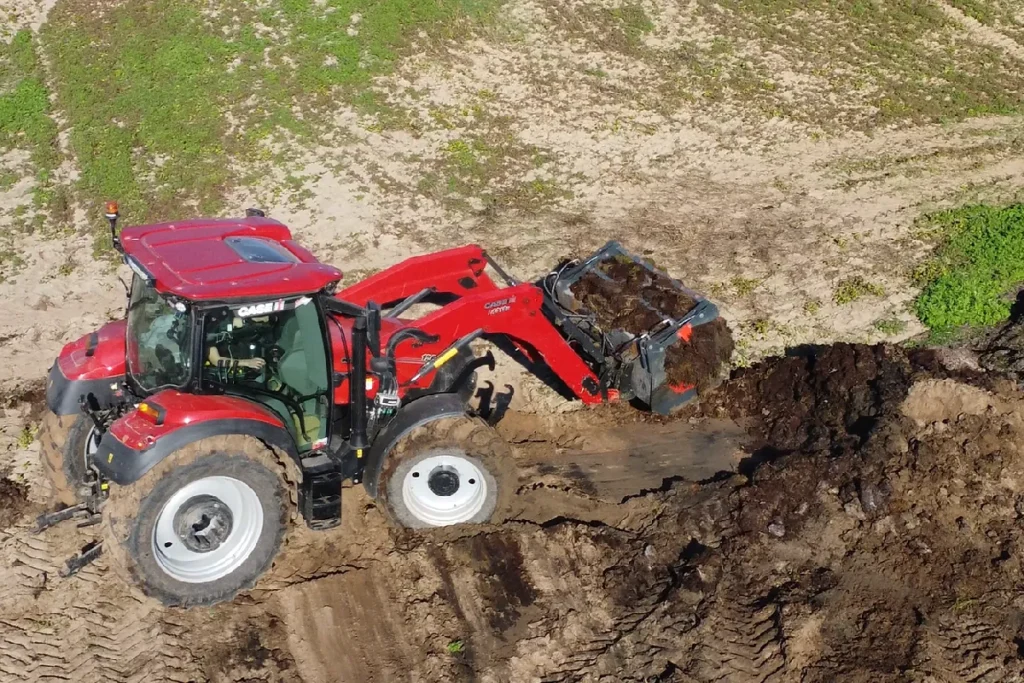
x=242, y=383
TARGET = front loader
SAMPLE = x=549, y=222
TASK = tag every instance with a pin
x=242, y=375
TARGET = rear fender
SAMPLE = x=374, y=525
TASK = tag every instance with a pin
x=134, y=444
x=414, y=414
x=92, y=364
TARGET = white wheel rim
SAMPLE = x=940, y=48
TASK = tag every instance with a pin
x=427, y=490
x=207, y=529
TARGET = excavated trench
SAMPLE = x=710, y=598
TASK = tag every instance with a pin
x=847, y=512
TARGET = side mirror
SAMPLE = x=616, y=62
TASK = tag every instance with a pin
x=255, y=213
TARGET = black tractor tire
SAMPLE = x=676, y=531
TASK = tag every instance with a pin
x=469, y=440
x=131, y=514
x=63, y=440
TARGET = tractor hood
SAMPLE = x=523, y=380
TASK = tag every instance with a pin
x=97, y=355
x=93, y=364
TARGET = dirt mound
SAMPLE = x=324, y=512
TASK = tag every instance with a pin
x=825, y=398
x=634, y=299
x=630, y=297
x=1004, y=353
x=897, y=561
x=700, y=362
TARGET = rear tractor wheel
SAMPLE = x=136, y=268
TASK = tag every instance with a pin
x=66, y=442
x=201, y=526
x=454, y=470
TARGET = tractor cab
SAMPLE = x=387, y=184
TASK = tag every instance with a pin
x=271, y=353
x=233, y=308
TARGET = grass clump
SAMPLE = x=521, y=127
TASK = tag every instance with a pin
x=979, y=260
x=890, y=326
x=633, y=22
x=850, y=289
x=25, y=122
x=744, y=285
x=976, y=10
x=27, y=436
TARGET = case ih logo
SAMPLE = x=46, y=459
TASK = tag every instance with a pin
x=500, y=306
x=260, y=309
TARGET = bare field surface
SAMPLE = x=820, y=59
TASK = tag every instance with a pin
x=776, y=155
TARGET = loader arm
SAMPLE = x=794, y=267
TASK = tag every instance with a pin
x=458, y=271
x=515, y=312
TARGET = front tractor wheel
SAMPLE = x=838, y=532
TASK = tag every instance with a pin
x=66, y=442
x=454, y=470
x=202, y=525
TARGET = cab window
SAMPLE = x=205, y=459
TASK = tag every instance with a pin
x=273, y=354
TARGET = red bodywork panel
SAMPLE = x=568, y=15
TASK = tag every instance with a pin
x=107, y=359
x=458, y=271
x=191, y=259
x=513, y=311
x=139, y=433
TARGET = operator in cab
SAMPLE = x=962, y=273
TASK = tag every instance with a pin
x=235, y=343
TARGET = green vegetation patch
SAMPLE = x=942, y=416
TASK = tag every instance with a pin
x=979, y=261
x=890, y=326
x=900, y=60
x=850, y=289
x=984, y=12
x=166, y=100
x=487, y=163
x=24, y=112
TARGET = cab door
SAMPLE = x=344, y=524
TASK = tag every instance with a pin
x=273, y=353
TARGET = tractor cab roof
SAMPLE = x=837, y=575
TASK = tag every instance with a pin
x=219, y=259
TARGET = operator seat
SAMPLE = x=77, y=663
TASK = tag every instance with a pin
x=303, y=368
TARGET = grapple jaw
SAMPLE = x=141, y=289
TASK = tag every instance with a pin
x=633, y=360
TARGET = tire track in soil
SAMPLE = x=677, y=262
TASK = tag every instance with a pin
x=83, y=628
x=968, y=648
x=741, y=640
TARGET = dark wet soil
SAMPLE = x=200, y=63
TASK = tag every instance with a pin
x=825, y=398
x=634, y=299
x=700, y=362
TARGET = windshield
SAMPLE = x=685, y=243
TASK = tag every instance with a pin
x=159, y=340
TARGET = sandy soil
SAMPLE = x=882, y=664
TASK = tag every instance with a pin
x=767, y=216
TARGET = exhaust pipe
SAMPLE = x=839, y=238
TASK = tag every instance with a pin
x=357, y=388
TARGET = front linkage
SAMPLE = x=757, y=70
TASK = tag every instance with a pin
x=94, y=490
